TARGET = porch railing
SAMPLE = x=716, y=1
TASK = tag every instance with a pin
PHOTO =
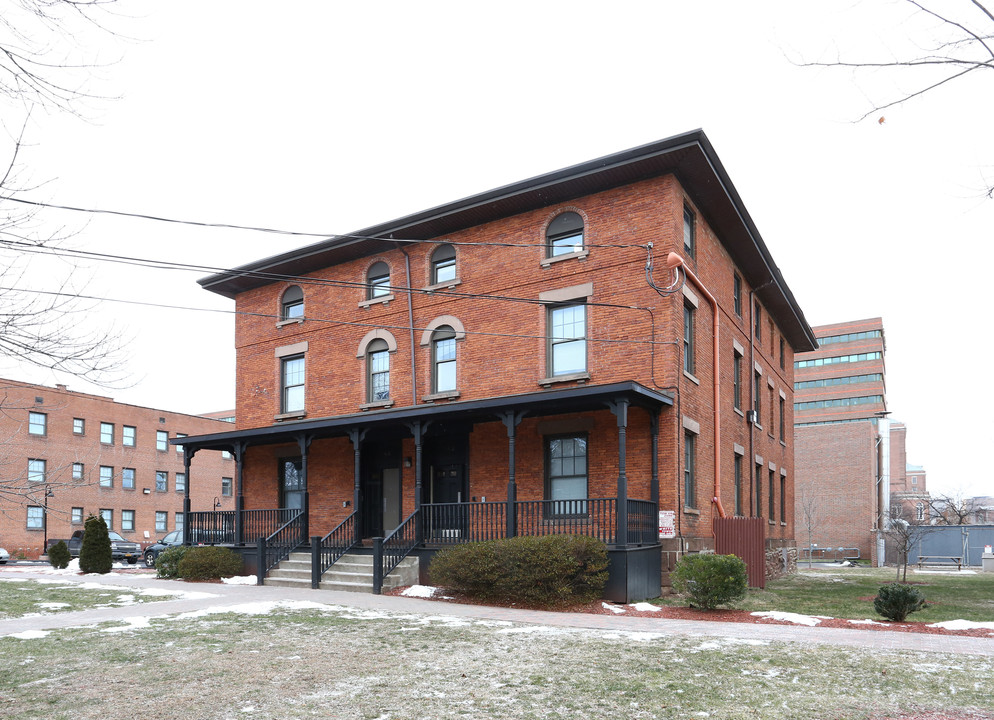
x=389, y=551
x=455, y=523
x=643, y=522
x=326, y=551
x=277, y=547
x=263, y=523
x=214, y=527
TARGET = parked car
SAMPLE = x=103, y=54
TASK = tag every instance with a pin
x=120, y=549
x=170, y=540
x=4, y=556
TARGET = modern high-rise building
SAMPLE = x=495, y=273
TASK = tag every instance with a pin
x=850, y=457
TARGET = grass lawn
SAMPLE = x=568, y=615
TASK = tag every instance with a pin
x=24, y=597
x=335, y=662
x=849, y=592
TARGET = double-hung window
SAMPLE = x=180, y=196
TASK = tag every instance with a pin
x=36, y=471
x=378, y=371
x=737, y=380
x=161, y=520
x=79, y=426
x=689, y=231
x=689, y=469
x=161, y=481
x=37, y=423
x=107, y=433
x=738, y=484
x=443, y=360
x=564, y=235
x=292, y=306
x=128, y=433
x=77, y=471
x=127, y=521
x=161, y=440
x=566, y=475
x=292, y=371
x=443, y=264
x=689, y=363
x=128, y=478
x=567, y=349
x=106, y=476
x=378, y=281
x=36, y=517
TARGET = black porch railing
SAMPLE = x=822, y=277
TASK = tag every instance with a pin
x=277, y=547
x=643, y=522
x=389, y=551
x=214, y=527
x=449, y=523
x=326, y=551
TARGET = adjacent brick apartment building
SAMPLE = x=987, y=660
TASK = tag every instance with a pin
x=68, y=454
x=850, y=457
x=570, y=353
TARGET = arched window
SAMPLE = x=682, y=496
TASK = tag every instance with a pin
x=443, y=360
x=564, y=234
x=378, y=280
x=293, y=303
x=443, y=264
x=378, y=371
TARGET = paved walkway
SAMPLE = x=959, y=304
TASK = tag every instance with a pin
x=231, y=595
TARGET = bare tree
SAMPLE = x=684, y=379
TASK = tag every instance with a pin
x=809, y=517
x=903, y=531
x=952, y=508
x=959, y=41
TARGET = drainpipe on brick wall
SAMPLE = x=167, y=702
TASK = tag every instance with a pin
x=410, y=324
x=673, y=260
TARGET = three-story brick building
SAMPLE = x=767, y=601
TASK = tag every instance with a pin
x=570, y=353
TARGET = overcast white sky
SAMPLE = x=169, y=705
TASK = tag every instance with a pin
x=329, y=117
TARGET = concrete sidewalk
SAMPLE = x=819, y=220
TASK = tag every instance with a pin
x=220, y=596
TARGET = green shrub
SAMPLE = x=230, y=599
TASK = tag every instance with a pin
x=58, y=555
x=94, y=553
x=550, y=571
x=167, y=564
x=710, y=580
x=209, y=563
x=896, y=601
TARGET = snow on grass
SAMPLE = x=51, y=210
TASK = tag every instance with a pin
x=132, y=623
x=53, y=605
x=256, y=608
x=866, y=622
x=963, y=625
x=795, y=618
x=29, y=634
x=420, y=591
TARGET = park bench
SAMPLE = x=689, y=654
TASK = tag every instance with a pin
x=940, y=561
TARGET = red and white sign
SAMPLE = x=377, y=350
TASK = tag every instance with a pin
x=667, y=524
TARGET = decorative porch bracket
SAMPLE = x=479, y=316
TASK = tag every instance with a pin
x=304, y=443
x=188, y=454
x=418, y=429
x=356, y=436
x=238, y=450
x=511, y=420
x=620, y=409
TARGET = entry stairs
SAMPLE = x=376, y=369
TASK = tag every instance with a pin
x=352, y=573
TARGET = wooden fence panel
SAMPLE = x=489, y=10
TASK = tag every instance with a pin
x=746, y=538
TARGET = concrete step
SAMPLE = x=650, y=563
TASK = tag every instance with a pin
x=352, y=573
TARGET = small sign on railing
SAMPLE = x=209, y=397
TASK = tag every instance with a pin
x=667, y=524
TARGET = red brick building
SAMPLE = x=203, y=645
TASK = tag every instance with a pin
x=529, y=360
x=851, y=458
x=67, y=455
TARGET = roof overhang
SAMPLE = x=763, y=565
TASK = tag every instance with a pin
x=690, y=156
x=545, y=402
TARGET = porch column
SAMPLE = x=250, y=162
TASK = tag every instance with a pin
x=418, y=429
x=620, y=410
x=511, y=420
x=187, y=457
x=654, y=481
x=238, y=449
x=304, y=443
x=356, y=435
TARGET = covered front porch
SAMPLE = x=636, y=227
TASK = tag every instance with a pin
x=426, y=477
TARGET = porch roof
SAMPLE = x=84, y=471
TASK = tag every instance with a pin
x=544, y=402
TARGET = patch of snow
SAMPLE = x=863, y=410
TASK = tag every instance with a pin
x=134, y=623
x=240, y=580
x=420, y=591
x=256, y=608
x=613, y=608
x=53, y=605
x=795, y=618
x=866, y=622
x=963, y=625
x=177, y=594
x=645, y=607
x=30, y=634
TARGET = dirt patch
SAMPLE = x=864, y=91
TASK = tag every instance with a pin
x=668, y=612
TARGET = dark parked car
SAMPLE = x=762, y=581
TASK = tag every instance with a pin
x=170, y=540
x=120, y=549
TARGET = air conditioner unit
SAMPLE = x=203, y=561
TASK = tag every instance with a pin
x=752, y=416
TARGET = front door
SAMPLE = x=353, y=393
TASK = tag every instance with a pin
x=291, y=483
x=446, y=456
x=379, y=489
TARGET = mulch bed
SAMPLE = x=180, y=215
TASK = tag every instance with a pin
x=669, y=612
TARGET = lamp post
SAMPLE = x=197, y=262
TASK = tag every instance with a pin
x=44, y=519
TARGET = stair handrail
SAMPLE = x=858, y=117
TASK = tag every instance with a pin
x=284, y=545
x=390, y=551
x=328, y=550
